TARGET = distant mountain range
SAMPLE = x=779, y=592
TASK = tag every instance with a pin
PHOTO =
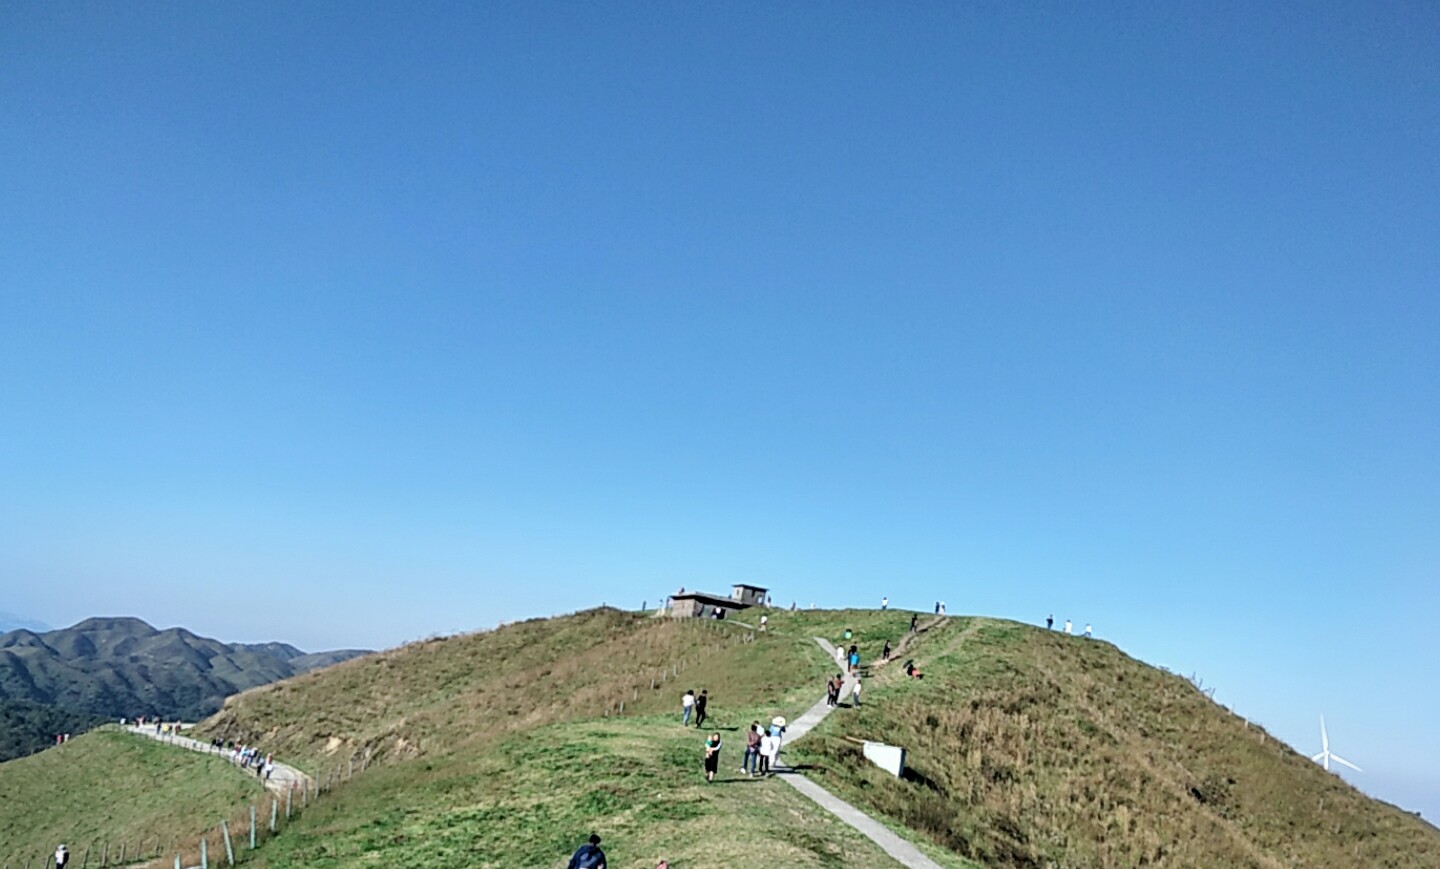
x=123, y=667
x=11, y=622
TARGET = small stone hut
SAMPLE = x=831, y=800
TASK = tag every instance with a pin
x=698, y=604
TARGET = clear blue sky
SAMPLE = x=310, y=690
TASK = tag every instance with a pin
x=346, y=325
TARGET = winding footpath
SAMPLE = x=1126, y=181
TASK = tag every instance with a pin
x=902, y=851
x=282, y=779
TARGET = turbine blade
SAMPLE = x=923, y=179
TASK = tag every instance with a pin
x=1324, y=737
x=1338, y=759
x=1317, y=757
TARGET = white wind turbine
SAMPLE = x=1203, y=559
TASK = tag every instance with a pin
x=1326, y=755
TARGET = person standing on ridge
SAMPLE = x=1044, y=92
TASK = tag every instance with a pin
x=914, y=620
x=700, y=704
x=687, y=704
x=1050, y=622
x=588, y=855
x=1087, y=630
x=1067, y=627
x=712, y=756
x=884, y=603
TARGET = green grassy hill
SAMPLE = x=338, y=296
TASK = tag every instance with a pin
x=1027, y=749
x=107, y=787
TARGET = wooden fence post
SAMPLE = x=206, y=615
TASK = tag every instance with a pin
x=122, y=852
x=104, y=856
x=274, y=812
x=350, y=768
x=288, y=796
x=204, y=854
x=225, y=834
x=252, y=828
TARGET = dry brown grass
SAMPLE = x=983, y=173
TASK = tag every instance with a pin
x=1032, y=749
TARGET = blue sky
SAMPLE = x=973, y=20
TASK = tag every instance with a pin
x=347, y=324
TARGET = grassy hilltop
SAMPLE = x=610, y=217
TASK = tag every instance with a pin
x=105, y=787
x=1027, y=749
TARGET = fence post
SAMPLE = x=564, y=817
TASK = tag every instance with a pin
x=177, y=861
x=122, y=852
x=225, y=834
x=349, y=768
x=84, y=861
x=274, y=811
x=288, y=794
x=104, y=856
x=204, y=854
x=252, y=828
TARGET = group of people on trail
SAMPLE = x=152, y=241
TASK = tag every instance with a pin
x=249, y=757
x=689, y=704
x=836, y=684
x=1050, y=626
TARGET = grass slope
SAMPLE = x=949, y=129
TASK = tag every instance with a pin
x=1033, y=749
x=109, y=787
x=494, y=749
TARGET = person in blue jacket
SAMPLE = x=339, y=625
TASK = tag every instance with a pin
x=588, y=855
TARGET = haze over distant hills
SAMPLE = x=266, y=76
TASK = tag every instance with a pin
x=114, y=667
x=11, y=622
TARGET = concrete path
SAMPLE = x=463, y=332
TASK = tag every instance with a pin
x=902, y=851
x=284, y=778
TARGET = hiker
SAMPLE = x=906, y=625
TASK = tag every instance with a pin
x=914, y=620
x=62, y=857
x=700, y=703
x=1087, y=630
x=769, y=752
x=712, y=756
x=750, y=765
x=1050, y=622
x=884, y=603
x=764, y=620
x=840, y=657
x=937, y=607
x=854, y=659
x=687, y=704
x=830, y=691
x=777, y=733
x=588, y=856
x=885, y=652
x=1067, y=627
x=855, y=693
x=942, y=607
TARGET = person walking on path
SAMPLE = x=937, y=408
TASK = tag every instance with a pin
x=750, y=765
x=700, y=703
x=62, y=857
x=831, y=692
x=885, y=652
x=1067, y=627
x=855, y=693
x=769, y=750
x=687, y=704
x=1050, y=622
x=914, y=620
x=840, y=656
x=854, y=658
x=588, y=855
x=712, y=756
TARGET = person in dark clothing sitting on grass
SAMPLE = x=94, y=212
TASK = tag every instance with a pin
x=588, y=856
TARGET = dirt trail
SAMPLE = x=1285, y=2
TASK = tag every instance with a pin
x=282, y=779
